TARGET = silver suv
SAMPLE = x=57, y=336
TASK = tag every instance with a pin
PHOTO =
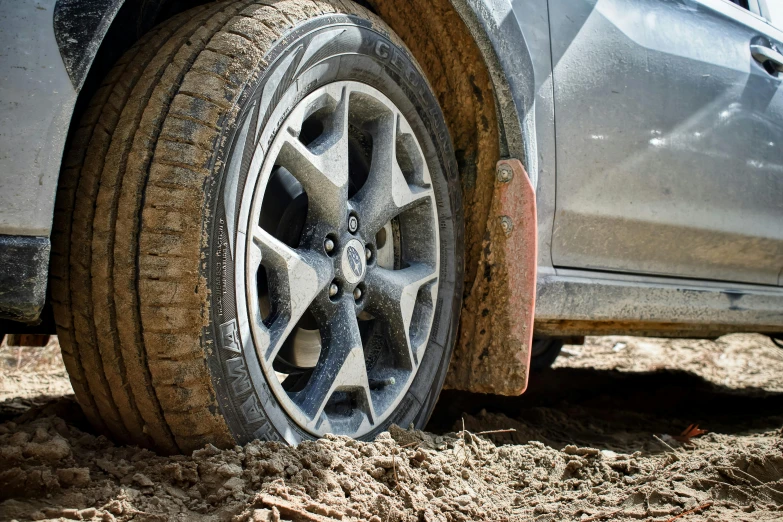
x=280, y=219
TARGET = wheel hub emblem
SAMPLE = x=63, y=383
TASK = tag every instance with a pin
x=356, y=263
x=353, y=262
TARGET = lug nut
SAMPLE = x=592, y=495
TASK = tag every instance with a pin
x=328, y=245
x=357, y=293
x=333, y=290
x=353, y=223
x=367, y=253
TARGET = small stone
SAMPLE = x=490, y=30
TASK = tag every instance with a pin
x=73, y=476
x=207, y=451
x=463, y=500
x=229, y=470
x=234, y=484
x=143, y=480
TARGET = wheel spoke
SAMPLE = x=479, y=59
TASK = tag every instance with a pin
x=321, y=167
x=387, y=193
x=341, y=367
x=392, y=299
x=299, y=275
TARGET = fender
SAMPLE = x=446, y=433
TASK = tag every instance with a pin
x=79, y=28
x=495, y=29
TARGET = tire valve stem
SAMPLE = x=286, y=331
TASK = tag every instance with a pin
x=377, y=384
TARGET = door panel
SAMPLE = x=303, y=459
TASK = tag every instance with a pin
x=669, y=140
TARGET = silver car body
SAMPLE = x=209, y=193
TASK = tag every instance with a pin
x=652, y=136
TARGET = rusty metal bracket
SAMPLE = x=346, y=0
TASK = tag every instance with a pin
x=496, y=327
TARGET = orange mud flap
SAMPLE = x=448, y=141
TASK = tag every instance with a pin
x=496, y=326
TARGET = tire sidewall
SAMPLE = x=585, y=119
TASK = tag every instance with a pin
x=312, y=54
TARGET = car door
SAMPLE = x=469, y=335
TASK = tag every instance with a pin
x=669, y=139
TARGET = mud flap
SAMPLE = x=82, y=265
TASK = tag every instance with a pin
x=496, y=327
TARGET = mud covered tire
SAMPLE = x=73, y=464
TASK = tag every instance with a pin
x=544, y=352
x=140, y=277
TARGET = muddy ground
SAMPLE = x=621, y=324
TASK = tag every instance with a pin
x=596, y=438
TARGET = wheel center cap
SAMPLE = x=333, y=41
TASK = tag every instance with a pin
x=353, y=263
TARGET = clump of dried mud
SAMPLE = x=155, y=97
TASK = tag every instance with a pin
x=588, y=445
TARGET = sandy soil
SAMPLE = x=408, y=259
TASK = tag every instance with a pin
x=736, y=361
x=31, y=372
x=595, y=438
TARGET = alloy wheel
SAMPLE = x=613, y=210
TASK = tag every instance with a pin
x=341, y=259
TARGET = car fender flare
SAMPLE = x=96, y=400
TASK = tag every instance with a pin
x=79, y=28
x=495, y=29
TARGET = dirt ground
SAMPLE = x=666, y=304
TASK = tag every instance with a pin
x=595, y=438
